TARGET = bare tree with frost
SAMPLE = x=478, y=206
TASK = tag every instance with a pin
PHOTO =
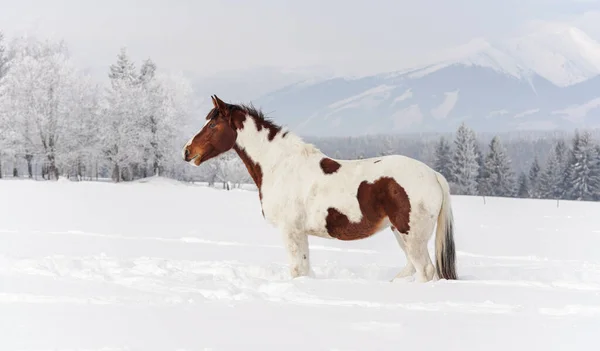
x=3, y=117
x=42, y=97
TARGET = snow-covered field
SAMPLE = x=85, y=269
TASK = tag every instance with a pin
x=161, y=265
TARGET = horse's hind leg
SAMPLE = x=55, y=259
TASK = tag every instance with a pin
x=409, y=268
x=414, y=244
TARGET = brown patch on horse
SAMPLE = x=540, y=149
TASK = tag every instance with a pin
x=329, y=166
x=253, y=169
x=377, y=200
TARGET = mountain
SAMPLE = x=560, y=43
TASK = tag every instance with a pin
x=245, y=85
x=548, y=79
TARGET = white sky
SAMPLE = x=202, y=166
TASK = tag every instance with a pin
x=352, y=37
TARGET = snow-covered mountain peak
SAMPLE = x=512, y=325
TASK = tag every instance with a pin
x=565, y=55
x=477, y=52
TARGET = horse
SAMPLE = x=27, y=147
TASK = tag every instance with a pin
x=304, y=192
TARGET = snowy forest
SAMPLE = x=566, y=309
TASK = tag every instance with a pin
x=57, y=121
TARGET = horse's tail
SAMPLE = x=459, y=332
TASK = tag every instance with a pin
x=445, y=254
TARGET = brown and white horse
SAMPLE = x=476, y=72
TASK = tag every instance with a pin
x=303, y=192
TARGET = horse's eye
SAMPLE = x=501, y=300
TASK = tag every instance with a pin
x=212, y=125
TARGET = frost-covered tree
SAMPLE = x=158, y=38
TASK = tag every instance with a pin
x=523, y=187
x=465, y=168
x=443, y=158
x=121, y=119
x=3, y=117
x=480, y=158
x=227, y=168
x=123, y=69
x=551, y=178
x=3, y=57
x=561, y=152
x=534, y=178
x=583, y=172
x=144, y=113
x=42, y=94
x=166, y=107
x=498, y=178
x=81, y=152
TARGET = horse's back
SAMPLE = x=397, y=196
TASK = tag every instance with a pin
x=340, y=190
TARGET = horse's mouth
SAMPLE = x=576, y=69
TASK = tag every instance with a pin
x=199, y=158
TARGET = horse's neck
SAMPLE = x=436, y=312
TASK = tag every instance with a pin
x=270, y=155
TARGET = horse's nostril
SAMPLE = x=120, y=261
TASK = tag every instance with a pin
x=186, y=152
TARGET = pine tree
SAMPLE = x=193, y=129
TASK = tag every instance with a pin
x=465, y=168
x=534, y=178
x=561, y=152
x=498, y=179
x=551, y=179
x=597, y=190
x=583, y=173
x=147, y=72
x=481, y=163
x=122, y=117
x=443, y=158
x=123, y=69
x=523, y=191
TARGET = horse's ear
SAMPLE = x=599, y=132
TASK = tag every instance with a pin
x=212, y=97
x=222, y=106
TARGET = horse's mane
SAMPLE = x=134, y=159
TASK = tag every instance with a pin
x=259, y=116
x=263, y=121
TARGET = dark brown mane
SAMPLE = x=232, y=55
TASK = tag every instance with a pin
x=259, y=118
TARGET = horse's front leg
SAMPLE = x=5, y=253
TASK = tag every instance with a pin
x=296, y=245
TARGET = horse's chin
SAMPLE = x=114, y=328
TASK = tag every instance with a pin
x=200, y=159
x=196, y=161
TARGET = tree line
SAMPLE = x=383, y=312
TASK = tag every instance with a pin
x=55, y=120
x=569, y=172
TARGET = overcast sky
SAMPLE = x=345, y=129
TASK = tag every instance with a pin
x=354, y=37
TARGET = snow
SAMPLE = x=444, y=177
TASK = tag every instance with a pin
x=163, y=265
x=429, y=69
x=404, y=96
x=367, y=99
x=526, y=113
x=443, y=109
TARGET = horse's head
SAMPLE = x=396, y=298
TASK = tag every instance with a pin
x=216, y=137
